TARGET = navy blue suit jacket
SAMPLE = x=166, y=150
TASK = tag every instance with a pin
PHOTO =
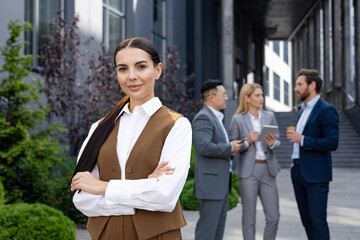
x=321, y=136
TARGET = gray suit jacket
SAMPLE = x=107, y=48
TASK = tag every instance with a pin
x=213, y=154
x=240, y=127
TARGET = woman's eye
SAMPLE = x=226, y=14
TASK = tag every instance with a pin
x=121, y=69
x=141, y=67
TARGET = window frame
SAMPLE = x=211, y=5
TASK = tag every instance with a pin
x=286, y=52
x=277, y=48
x=286, y=93
x=34, y=39
x=276, y=87
x=267, y=81
x=107, y=8
x=155, y=34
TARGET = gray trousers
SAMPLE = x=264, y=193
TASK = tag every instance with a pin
x=261, y=184
x=211, y=224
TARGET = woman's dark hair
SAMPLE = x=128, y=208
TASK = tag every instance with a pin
x=312, y=75
x=90, y=154
x=140, y=43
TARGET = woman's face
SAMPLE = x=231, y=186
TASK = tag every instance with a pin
x=136, y=74
x=256, y=99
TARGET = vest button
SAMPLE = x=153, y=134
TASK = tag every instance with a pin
x=128, y=169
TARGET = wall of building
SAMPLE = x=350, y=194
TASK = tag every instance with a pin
x=13, y=11
x=276, y=64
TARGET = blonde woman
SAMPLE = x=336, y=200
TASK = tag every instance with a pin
x=257, y=167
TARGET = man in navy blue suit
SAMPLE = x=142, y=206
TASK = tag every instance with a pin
x=316, y=135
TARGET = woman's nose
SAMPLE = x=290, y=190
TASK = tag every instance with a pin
x=132, y=74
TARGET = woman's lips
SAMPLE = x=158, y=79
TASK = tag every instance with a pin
x=135, y=87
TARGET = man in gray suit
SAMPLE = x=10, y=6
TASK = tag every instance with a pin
x=257, y=166
x=212, y=167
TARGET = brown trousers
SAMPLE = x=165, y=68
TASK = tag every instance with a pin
x=126, y=231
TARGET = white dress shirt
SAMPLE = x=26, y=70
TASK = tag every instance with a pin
x=155, y=194
x=220, y=117
x=256, y=124
x=301, y=124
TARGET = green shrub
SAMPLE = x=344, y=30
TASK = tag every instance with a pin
x=60, y=198
x=28, y=153
x=188, y=200
x=235, y=182
x=191, y=173
x=233, y=198
x=34, y=221
x=2, y=194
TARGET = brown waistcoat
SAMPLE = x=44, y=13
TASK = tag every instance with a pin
x=142, y=161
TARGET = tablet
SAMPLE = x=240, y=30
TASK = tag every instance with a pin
x=266, y=129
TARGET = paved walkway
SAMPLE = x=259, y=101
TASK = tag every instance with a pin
x=343, y=211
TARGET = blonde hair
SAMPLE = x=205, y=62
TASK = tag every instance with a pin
x=246, y=90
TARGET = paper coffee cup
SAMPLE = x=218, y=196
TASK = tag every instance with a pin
x=291, y=128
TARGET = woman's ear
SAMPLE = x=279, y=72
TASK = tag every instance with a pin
x=246, y=99
x=158, y=70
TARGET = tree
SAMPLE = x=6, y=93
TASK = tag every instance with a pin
x=76, y=101
x=27, y=154
x=173, y=88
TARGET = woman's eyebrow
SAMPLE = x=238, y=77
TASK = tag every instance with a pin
x=139, y=62
x=124, y=65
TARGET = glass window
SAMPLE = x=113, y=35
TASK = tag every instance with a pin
x=266, y=81
x=286, y=57
x=276, y=87
x=41, y=19
x=113, y=23
x=159, y=27
x=286, y=93
x=276, y=47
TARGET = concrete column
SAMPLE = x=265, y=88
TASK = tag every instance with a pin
x=301, y=48
x=336, y=44
x=326, y=29
x=311, y=42
x=317, y=40
x=260, y=57
x=346, y=53
x=299, y=51
x=228, y=74
x=198, y=47
x=305, y=47
x=294, y=67
x=357, y=50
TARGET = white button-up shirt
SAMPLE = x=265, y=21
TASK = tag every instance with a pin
x=301, y=124
x=123, y=196
x=256, y=124
x=220, y=117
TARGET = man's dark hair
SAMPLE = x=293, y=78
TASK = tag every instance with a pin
x=312, y=75
x=209, y=85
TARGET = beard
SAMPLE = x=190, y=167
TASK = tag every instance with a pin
x=304, y=95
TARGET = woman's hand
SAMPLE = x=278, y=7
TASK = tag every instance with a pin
x=162, y=169
x=270, y=139
x=89, y=183
x=252, y=136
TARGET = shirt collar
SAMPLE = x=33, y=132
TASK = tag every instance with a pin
x=310, y=105
x=252, y=118
x=150, y=107
x=219, y=115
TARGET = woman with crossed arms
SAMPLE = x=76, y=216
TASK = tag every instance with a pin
x=134, y=163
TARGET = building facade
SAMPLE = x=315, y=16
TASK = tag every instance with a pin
x=223, y=39
x=278, y=88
